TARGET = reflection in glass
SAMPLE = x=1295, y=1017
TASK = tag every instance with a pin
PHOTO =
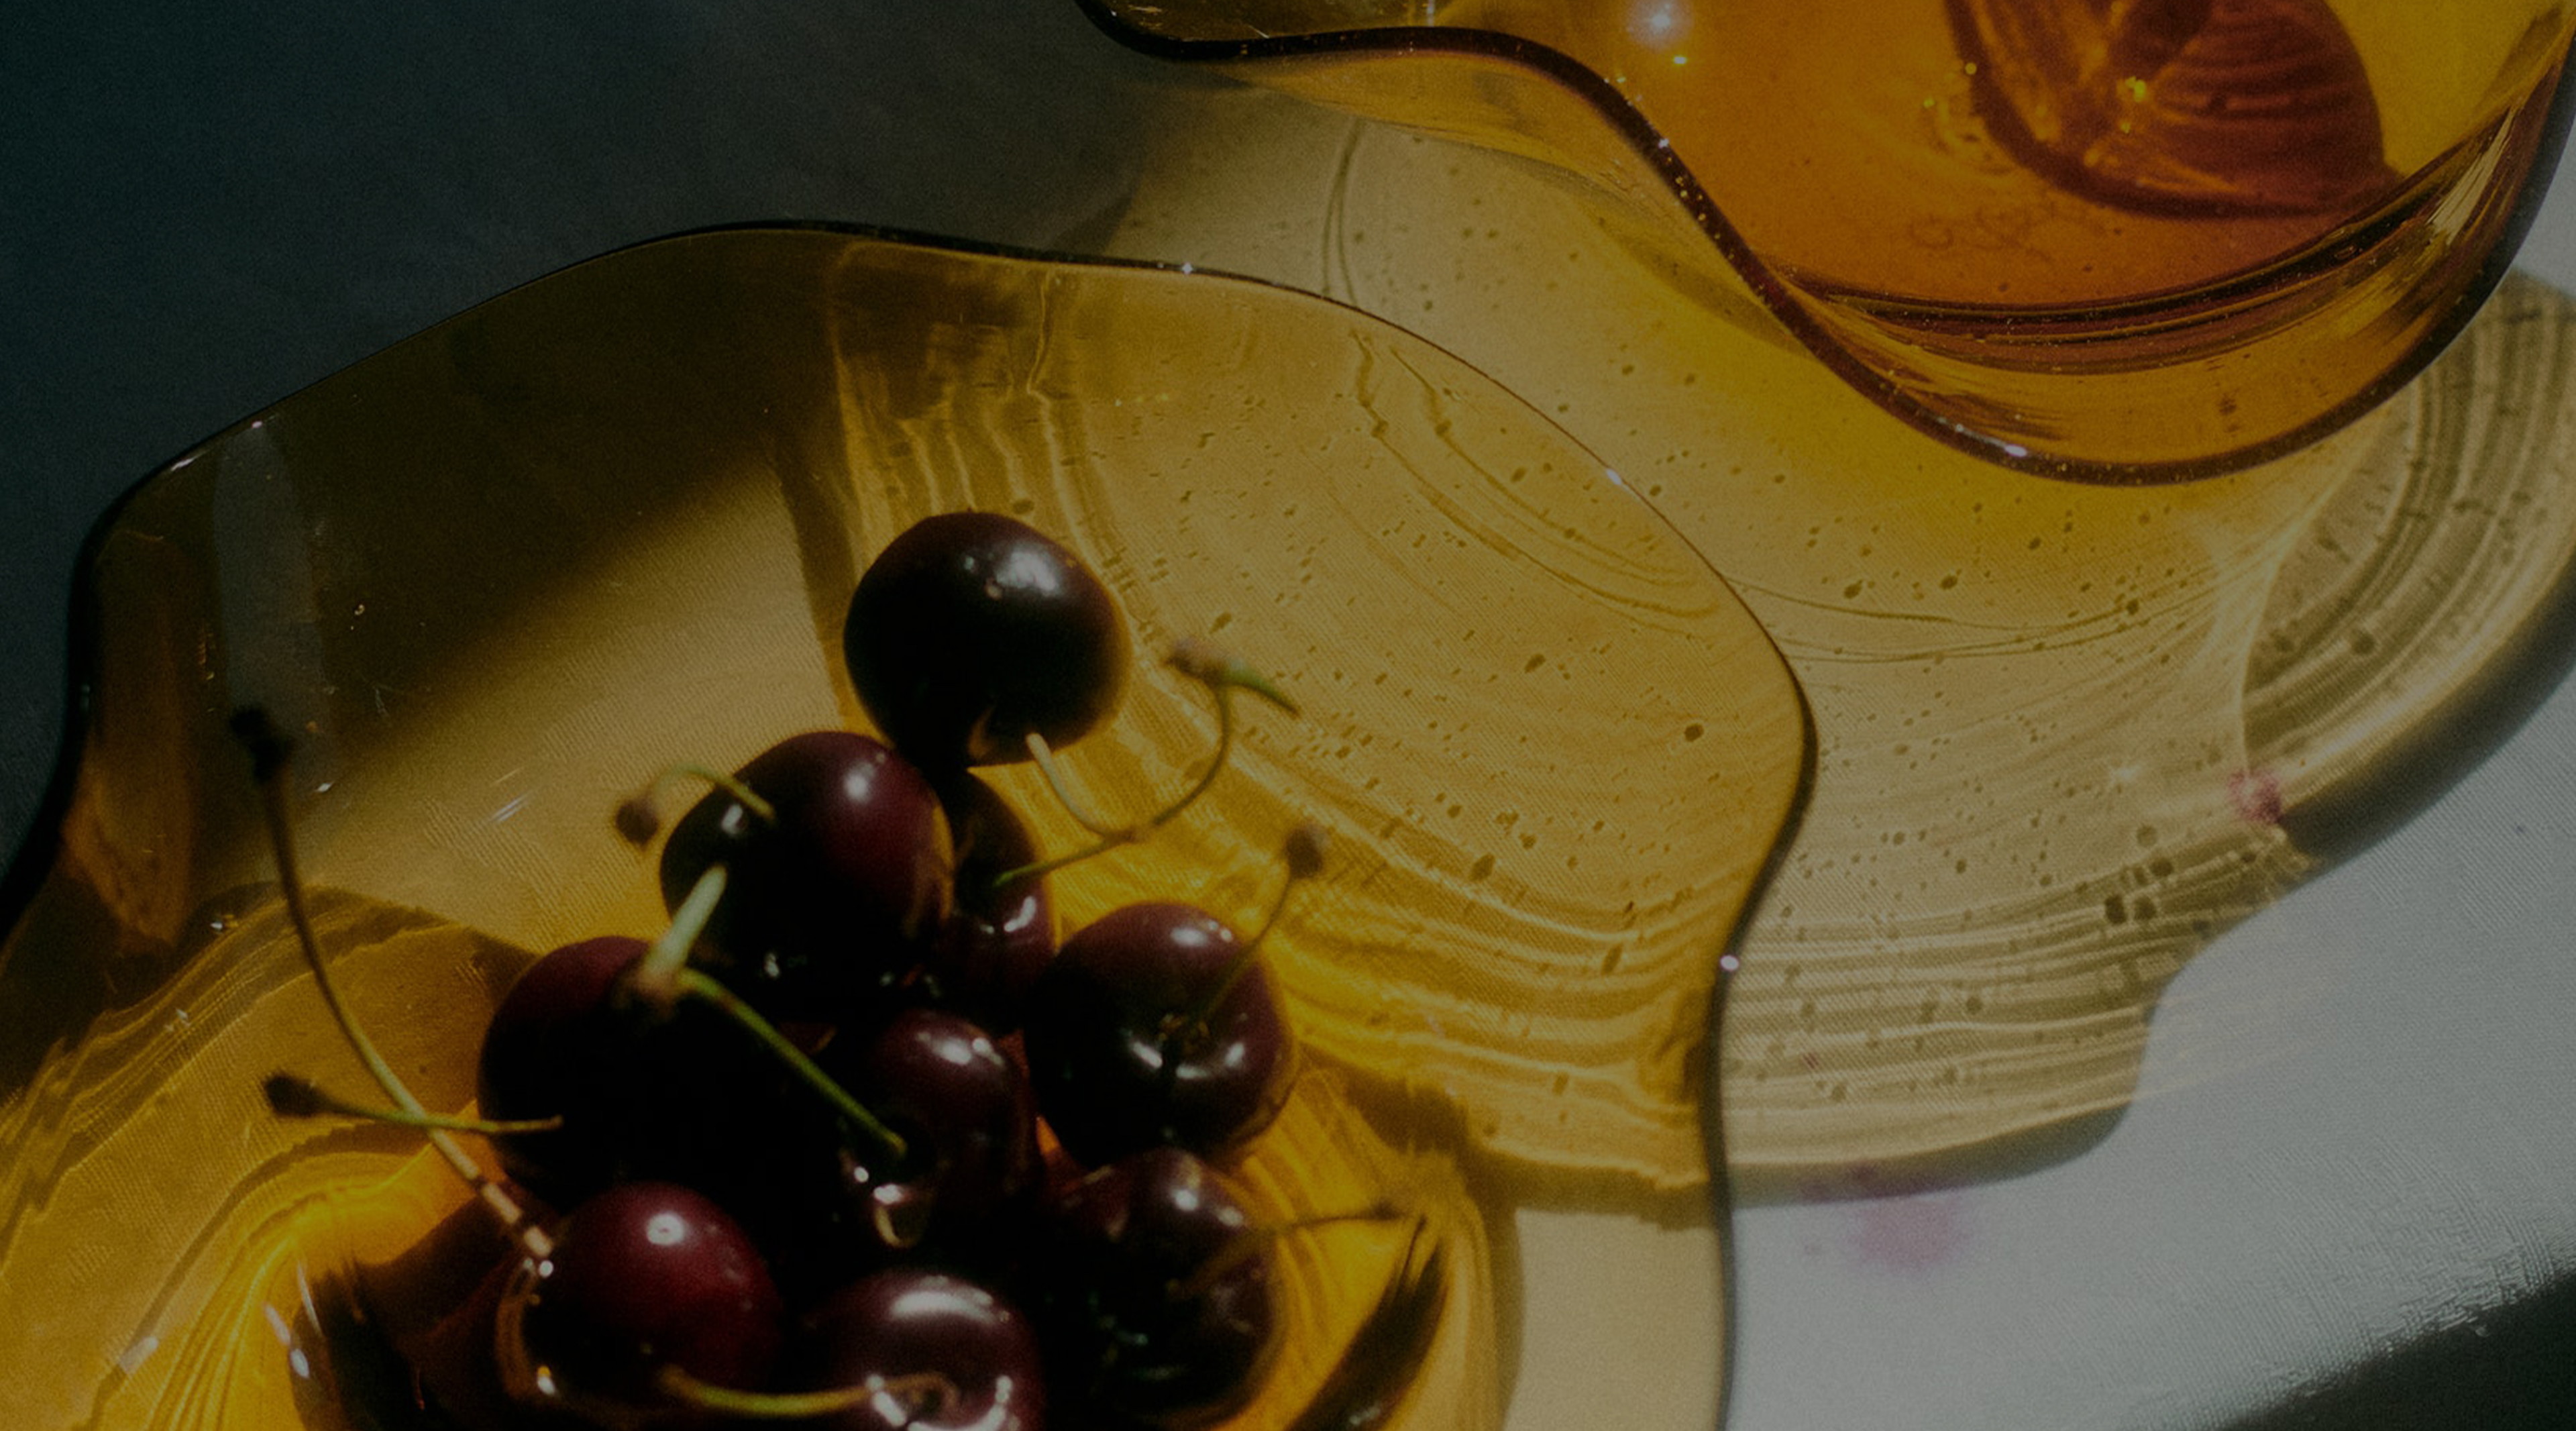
x=2133, y=241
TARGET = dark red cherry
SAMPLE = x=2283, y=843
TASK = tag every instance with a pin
x=834, y=897
x=954, y=1355
x=999, y=937
x=971, y=630
x=1155, y=1293
x=643, y=1276
x=550, y=1051
x=966, y=1116
x=1142, y=1032
x=641, y=1093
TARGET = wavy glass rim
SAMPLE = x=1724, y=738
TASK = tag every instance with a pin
x=1780, y=296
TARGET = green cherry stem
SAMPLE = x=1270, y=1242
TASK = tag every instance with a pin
x=1303, y=853
x=664, y=976
x=1222, y=675
x=639, y=816
x=292, y=1097
x=656, y=977
x=1044, y=755
x=271, y=757
x=911, y=1395
x=1203, y=660
x=698, y=984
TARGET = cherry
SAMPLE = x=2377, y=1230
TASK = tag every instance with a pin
x=965, y=1113
x=639, y=1092
x=1001, y=934
x=1154, y=1025
x=644, y=1276
x=1155, y=1298
x=546, y=1054
x=971, y=631
x=951, y=1355
x=830, y=897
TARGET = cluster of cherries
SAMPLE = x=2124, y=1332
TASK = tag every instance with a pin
x=855, y=1141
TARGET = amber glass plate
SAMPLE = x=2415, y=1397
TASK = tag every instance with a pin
x=498, y=573
x=2136, y=242
x=2068, y=734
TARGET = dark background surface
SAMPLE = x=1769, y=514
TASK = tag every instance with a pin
x=206, y=207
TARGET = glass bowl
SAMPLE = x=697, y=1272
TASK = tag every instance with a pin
x=2152, y=242
x=500, y=572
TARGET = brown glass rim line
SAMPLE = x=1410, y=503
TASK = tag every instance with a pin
x=1781, y=296
x=2153, y=309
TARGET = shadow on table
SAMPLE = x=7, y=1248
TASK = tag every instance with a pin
x=2507, y=1371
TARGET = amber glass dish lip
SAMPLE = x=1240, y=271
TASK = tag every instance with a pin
x=1781, y=296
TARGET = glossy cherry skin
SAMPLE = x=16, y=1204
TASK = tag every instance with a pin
x=1139, y=1319
x=837, y=897
x=967, y=1117
x=904, y=1322
x=1127, y=1051
x=646, y=1275
x=971, y=630
x=999, y=938
x=641, y=1093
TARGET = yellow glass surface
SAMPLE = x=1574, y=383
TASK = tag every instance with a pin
x=2067, y=734
x=2117, y=243
x=501, y=572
